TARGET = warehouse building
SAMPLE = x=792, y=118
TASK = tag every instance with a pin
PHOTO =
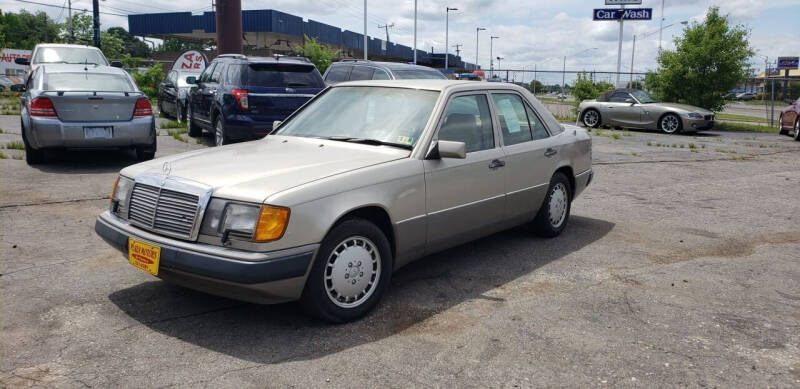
x=269, y=32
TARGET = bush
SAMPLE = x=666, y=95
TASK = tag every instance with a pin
x=149, y=80
x=585, y=89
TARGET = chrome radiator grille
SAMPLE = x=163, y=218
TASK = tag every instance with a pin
x=163, y=210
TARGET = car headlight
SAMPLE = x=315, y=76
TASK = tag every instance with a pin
x=694, y=115
x=120, y=193
x=259, y=223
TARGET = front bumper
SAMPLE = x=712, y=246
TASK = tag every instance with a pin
x=264, y=278
x=697, y=124
x=46, y=132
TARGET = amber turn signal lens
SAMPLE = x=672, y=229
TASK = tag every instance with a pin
x=114, y=188
x=272, y=223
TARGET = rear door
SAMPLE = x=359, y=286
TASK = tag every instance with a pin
x=337, y=74
x=275, y=89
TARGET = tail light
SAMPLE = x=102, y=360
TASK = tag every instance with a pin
x=143, y=108
x=42, y=106
x=241, y=98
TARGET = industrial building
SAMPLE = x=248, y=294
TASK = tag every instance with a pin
x=269, y=31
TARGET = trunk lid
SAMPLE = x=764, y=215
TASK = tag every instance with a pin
x=91, y=107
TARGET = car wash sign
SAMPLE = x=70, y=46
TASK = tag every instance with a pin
x=623, y=14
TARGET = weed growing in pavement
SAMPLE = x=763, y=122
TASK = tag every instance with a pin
x=674, y=146
x=2, y=156
x=702, y=146
x=649, y=143
x=681, y=146
x=177, y=135
x=692, y=146
x=15, y=145
x=615, y=136
x=1, y=130
x=17, y=157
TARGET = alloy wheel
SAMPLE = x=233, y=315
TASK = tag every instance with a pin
x=558, y=205
x=590, y=118
x=670, y=124
x=352, y=272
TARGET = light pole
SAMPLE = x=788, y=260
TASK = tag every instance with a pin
x=564, y=70
x=477, y=34
x=498, y=65
x=365, y=30
x=415, y=32
x=660, y=30
x=491, y=62
x=447, y=35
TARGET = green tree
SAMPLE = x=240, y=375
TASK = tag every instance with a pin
x=82, y=32
x=148, y=80
x=133, y=46
x=709, y=60
x=585, y=88
x=635, y=85
x=540, y=88
x=176, y=44
x=112, y=46
x=25, y=30
x=320, y=55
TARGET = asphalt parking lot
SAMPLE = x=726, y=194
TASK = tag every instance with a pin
x=679, y=267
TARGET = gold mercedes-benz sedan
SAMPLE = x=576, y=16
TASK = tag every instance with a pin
x=363, y=179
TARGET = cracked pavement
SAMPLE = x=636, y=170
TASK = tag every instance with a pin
x=677, y=268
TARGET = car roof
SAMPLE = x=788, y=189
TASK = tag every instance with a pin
x=437, y=85
x=281, y=59
x=387, y=65
x=77, y=68
x=66, y=45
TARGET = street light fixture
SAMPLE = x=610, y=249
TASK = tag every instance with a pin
x=564, y=70
x=491, y=62
x=498, y=65
x=447, y=35
x=477, y=33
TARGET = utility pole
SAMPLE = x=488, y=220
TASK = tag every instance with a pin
x=619, y=48
x=458, y=49
x=386, y=27
x=96, y=22
x=477, y=34
x=660, y=29
x=366, y=43
x=633, y=52
x=69, y=15
x=229, y=38
x=491, y=61
x=447, y=35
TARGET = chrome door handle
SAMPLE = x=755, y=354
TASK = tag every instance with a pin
x=550, y=152
x=496, y=164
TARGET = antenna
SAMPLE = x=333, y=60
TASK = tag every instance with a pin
x=386, y=27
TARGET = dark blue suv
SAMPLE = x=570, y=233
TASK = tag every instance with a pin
x=238, y=97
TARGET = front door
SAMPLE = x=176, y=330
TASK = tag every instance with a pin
x=465, y=198
x=623, y=110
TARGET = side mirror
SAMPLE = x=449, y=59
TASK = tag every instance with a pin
x=276, y=124
x=630, y=101
x=116, y=64
x=22, y=61
x=447, y=149
x=191, y=80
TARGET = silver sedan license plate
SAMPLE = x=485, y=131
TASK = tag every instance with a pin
x=98, y=132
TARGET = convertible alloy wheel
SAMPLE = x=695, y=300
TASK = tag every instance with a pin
x=670, y=124
x=352, y=271
x=558, y=205
x=591, y=118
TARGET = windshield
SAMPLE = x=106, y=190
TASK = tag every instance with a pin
x=284, y=75
x=391, y=115
x=69, y=55
x=86, y=82
x=417, y=74
x=644, y=97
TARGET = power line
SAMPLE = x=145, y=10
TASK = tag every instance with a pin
x=62, y=7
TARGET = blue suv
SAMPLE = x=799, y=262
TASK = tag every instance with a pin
x=238, y=97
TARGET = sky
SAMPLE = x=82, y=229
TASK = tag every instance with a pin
x=530, y=32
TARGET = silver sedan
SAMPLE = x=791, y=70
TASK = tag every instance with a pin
x=631, y=108
x=364, y=179
x=85, y=106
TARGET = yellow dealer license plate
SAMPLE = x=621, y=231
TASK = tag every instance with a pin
x=144, y=255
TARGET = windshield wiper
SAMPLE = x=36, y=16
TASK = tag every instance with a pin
x=369, y=141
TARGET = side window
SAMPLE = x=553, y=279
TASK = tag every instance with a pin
x=619, y=97
x=361, y=73
x=537, y=127
x=217, y=73
x=206, y=75
x=512, y=117
x=380, y=75
x=234, y=75
x=467, y=120
x=338, y=73
x=173, y=77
